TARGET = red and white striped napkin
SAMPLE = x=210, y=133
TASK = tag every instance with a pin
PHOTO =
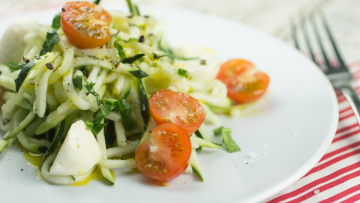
x=336, y=178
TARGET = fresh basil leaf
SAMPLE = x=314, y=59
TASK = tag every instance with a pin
x=131, y=60
x=22, y=75
x=218, y=131
x=16, y=66
x=51, y=39
x=183, y=72
x=77, y=81
x=97, y=2
x=139, y=73
x=56, y=24
x=90, y=89
x=120, y=50
x=228, y=141
x=198, y=134
x=96, y=126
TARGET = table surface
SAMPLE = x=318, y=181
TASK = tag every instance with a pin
x=272, y=17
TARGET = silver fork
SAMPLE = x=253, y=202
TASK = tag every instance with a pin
x=338, y=74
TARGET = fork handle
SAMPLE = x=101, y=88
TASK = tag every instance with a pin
x=353, y=99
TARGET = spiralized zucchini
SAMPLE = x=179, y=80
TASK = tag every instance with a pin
x=72, y=81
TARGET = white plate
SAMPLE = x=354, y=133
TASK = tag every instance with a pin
x=301, y=100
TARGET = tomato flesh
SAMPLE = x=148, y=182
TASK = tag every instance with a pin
x=167, y=106
x=244, y=82
x=165, y=154
x=85, y=25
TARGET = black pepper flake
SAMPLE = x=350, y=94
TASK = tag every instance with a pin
x=26, y=60
x=131, y=15
x=122, y=158
x=67, y=90
x=63, y=9
x=116, y=64
x=141, y=38
x=0, y=72
x=68, y=83
x=50, y=66
x=22, y=169
x=87, y=93
x=203, y=62
x=146, y=16
x=154, y=55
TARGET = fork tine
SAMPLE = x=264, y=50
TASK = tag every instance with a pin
x=337, y=53
x=293, y=33
x=308, y=44
x=327, y=63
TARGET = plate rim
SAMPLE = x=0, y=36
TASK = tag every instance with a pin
x=305, y=168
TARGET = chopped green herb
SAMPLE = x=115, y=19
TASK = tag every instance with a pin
x=22, y=75
x=218, y=131
x=51, y=39
x=183, y=72
x=97, y=2
x=228, y=141
x=120, y=50
x=56, y=24
x=198, y=134
x=110, y=105
x=16, y=66
x=77, y=81
x=139, y=73
x=131, y=60
x=90, y=88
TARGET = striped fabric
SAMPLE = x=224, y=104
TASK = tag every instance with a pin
x=336, y=178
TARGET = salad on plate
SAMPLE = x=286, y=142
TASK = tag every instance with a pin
x=100, y=90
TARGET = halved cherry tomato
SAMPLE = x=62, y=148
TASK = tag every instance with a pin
x=167, y=106
x=165, y=154
x=244, y=82
x=85, y=25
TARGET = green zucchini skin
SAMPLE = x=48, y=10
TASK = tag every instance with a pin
x=60, y=134
x=126, y=88
x=125, y=113
x=144, y=102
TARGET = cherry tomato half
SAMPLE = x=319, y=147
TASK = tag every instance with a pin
x=85, y=25
x=166, y=154
x=244, y=82
x=167, y=106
